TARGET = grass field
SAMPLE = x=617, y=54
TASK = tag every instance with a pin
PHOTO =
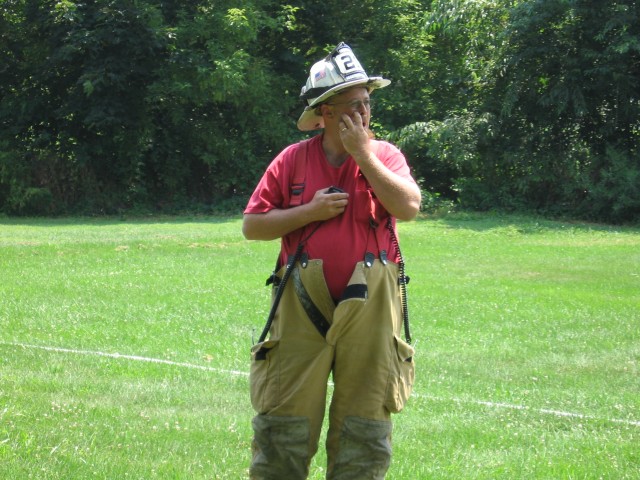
x=124, y=347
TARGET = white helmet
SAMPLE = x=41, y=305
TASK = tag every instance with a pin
x=337, y=71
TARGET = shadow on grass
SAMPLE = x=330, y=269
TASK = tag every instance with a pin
x=522, y=223
x=118, y=220
x=475, y=221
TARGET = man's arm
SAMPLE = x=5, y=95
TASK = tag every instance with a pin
x=399, y=196
x=277, y=223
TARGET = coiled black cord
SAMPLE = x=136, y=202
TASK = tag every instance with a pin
x=402, y=280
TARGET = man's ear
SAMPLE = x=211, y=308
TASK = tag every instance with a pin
x=326, y=110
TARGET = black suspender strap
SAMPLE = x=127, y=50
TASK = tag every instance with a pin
x=276, y=301
x=299, y=174
x=283, y=283
x=310, y=308
x=295, y=199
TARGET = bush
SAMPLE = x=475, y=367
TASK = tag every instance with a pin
x=31, y=201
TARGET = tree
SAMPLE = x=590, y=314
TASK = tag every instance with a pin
x=449, y=123
x=75, y=104
x=569, y=110
x=123, y=103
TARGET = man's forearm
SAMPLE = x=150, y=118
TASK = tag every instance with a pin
x=274, y=224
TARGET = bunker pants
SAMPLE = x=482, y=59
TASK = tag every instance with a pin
x=372, y=370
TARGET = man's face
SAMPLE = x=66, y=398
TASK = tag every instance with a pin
x=352, y=101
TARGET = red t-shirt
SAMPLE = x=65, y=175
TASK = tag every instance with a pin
x=342, y=241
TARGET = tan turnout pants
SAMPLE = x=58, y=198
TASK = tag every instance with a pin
x=372, y=371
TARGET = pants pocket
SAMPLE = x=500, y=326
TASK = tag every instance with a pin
x=263, y=375
x=401, y=376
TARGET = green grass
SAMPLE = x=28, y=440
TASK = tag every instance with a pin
x=527, y=330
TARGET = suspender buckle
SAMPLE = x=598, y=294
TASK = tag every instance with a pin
x=369, y=259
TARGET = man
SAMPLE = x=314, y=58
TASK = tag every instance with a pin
x=341, y=312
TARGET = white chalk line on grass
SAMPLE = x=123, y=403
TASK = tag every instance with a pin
x=494, y=405
x=128, y=357
x=543, y=411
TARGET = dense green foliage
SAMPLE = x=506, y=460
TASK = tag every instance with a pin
x=119, y=104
